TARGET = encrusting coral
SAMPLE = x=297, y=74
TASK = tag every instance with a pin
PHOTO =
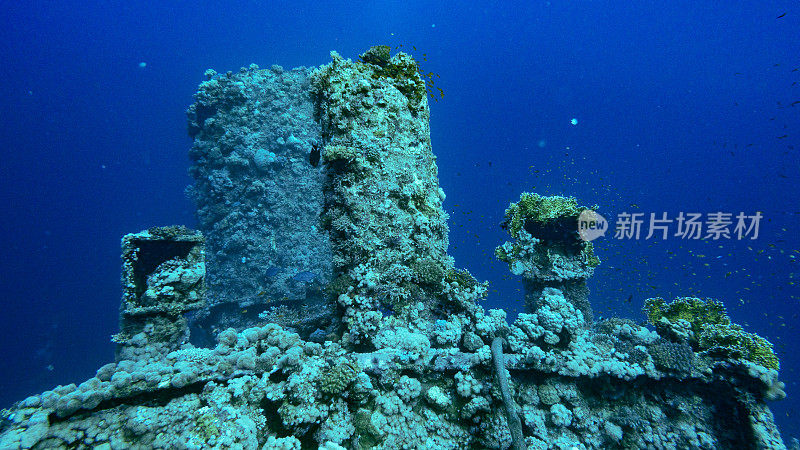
x=404, y=355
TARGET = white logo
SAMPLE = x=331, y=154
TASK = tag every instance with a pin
x=591, y=225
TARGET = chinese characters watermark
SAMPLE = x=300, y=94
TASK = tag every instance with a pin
x=715, y=225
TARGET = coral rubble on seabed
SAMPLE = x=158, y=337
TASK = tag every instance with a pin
x=410, y=359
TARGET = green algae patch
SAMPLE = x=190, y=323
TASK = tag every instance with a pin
x=732, y=342
x=588, y=255
x=428, y=271
x=402, y=70
x=534, y=210
x=462, y=277
x=377, y=54
x=697, y=312
x=705, y=324
x=338, y=377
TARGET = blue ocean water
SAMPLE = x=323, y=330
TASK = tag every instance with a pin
x=679, y=106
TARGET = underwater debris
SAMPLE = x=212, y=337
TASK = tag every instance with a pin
x=547, y=249
x=257, y=195
x=384, y=203
x=411, y=360
x=163, y=273
x=512, y=417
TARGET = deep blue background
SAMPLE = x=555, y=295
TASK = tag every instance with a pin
x=681, y=106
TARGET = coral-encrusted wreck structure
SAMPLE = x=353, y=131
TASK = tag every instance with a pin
x=163, y=279
x=335, y=318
